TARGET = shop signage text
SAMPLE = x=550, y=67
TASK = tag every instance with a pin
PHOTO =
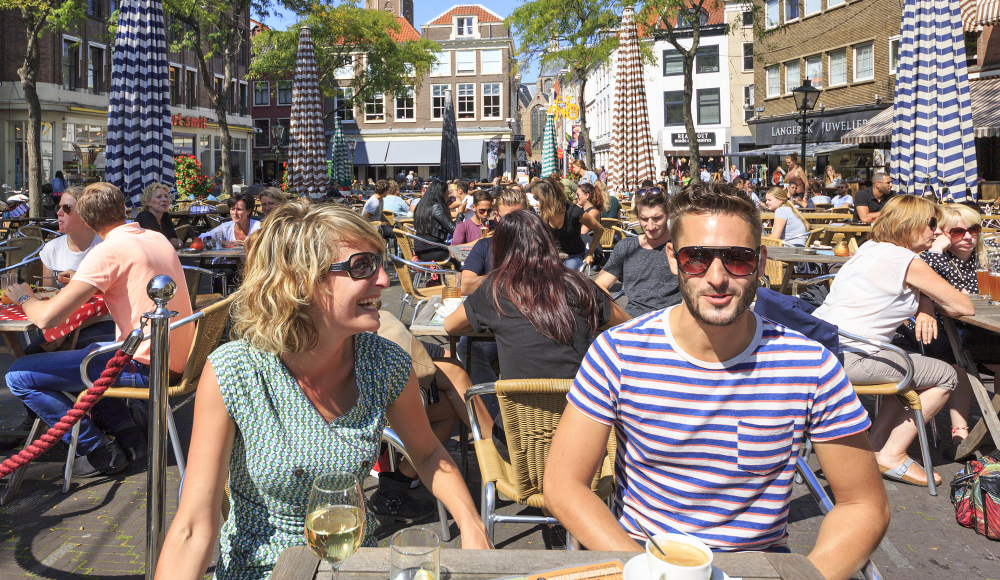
x=681, y=139
x=823, y=129
x=182, y=121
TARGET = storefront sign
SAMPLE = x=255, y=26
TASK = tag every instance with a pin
x=681, y=139
x=825, y=128
x=182, y=121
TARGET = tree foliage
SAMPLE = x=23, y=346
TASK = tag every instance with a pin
x=341, y=34
x=578, y=36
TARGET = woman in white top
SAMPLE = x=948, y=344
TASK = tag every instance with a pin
x=241, y=226
x=789, y=225
x=62, y=256
x=875, y=292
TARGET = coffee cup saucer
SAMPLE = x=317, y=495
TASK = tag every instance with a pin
x=636, y=569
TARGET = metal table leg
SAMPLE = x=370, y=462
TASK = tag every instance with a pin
x=989, y=423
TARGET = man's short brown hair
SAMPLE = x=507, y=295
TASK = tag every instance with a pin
x=101, y=205
x=381, y=186
x=509, y=197
x=713, y=198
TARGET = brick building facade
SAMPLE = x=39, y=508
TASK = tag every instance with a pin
x=73, y=89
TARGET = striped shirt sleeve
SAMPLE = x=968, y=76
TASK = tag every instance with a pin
x=595, y=390
x=835, y=410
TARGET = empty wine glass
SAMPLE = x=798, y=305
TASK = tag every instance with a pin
x=335, y=517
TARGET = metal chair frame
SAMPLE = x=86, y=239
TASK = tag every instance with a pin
x=390, y=437
x=414, y=291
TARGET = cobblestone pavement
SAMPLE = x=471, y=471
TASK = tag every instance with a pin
x=98, y=529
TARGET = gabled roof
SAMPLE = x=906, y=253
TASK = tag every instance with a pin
x=484, y=14
x=406, y=31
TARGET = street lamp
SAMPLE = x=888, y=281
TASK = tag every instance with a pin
x=805, y=101
x=351, y=146
x=278, y=133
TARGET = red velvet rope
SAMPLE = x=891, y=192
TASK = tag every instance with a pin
x=79, y=410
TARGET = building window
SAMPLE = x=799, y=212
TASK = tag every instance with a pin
x=838, y=67
x=261, y=133
x=773, y=81
x=709, y=107
x=442, y=64
x=242, y=103
x=538, y=117
x=548, y=85
x=673, y=63
x=791, y=10
x=673, y=108
x=893, y=55
x=747, y=18
x=749, y=102
x=344, y=73
x=791, y=75
x=70, y=64
x=404, y=104
x=175, y=85
x=375, y=107
x=95, y=8
x=814, y=71
x=864, y=62
x=748, y=56
x=95, y=70
x=812, y=7
x=467, y=101
x=972, y=48
x=218, y=89
x=465, y=62
x=491, y=100
x=437, y=101
x=707, y=59
x=284, y=92
x=491, y=62
x=191, y=89
x=463, y=26
x=342, y=103
x=261, y=94
x=832, y=3
x=772, y=18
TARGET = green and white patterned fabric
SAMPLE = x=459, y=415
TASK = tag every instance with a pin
x=282, y=443
x=341, y=170
x=550, y=161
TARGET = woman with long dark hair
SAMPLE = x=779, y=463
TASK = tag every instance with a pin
x=432, y=221
x=565, y=221
x=542, y=313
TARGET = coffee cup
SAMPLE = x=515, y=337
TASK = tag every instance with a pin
x=687, y=558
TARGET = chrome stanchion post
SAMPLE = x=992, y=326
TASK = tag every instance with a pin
x=160, y=289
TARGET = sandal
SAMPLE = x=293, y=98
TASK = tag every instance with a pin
x=955, y=430
x=898, y=473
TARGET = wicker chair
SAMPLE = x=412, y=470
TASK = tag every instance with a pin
x=410, y=290
x=611, y=236
x=774, y=271
x=192, y=275
x=395, y=443
x=405, y=242
x=531, y=410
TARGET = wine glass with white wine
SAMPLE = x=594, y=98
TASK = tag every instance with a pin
x=335, y=518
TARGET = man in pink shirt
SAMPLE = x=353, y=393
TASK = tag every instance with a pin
x=120, y=268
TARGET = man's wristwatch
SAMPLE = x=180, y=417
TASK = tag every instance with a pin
x=23, y=299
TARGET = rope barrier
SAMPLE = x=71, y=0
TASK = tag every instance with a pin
x=79, y=410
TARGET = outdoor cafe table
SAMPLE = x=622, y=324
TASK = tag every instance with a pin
x=859, y=233
x=791, y=256
x=986, y=317
x=239, y=252
x=13, y=322
x=299, y=563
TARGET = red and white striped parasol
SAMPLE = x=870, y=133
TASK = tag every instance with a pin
x=307, y=144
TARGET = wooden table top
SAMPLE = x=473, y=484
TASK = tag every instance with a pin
x=987, y=316
x=238, y=252
x=836, y=227
x=299, y=563
x=461, y=252
x=791, y=255
x=421, y=326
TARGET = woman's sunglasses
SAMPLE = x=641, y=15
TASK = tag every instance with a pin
x=932, y=223
x=648, y=190
x=959, y=233
x=66, y=208
x=738, y=261
x=359, y=266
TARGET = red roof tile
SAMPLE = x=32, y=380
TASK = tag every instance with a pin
x=406, y=31
x=716, y=15
x=467, y=10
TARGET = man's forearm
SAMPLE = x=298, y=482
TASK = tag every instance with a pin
x=847, y=537
x=588, y=519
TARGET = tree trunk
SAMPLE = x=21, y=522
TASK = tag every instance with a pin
x=224, y=99
x=33, y=136
x=585, y=142
x=695, y=159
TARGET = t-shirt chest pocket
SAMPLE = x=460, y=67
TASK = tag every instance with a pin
x=764, y=445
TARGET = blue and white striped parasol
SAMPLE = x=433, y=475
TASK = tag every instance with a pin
x=933, y=142
x=550, y=161
x=140, y=148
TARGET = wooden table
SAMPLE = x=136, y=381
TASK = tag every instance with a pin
x=238, y=252
x=859, y=233
x=461, y=252
x=791, y=256
x=986, y=317
x=299, y=563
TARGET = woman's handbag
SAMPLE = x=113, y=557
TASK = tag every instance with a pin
x=975, y=493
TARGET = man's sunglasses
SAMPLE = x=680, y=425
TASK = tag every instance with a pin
x=359, y=266
x=738, y=261
x=66, y=208
x=959, y=233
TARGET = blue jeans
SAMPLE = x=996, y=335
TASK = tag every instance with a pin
x=40, y=379
x=575, y=262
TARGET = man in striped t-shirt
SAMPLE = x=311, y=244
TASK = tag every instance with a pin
x=710, y=404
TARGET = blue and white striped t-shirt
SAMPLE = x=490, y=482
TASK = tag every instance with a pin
x=709, y=448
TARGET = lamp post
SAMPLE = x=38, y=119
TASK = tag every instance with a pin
x=351, y=145
x=805, y=101
x=278, y=133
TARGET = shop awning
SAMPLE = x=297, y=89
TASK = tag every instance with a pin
x=970, y=15
x=812, y=150
x=370, y=152
x=985, y=95
x=429, y=152
x=987, y=12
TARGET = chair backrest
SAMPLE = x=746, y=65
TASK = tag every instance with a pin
x=405, y=244
x=193, y=278
x=28, y=247
x=403, y=273
x=773, y=269
x=389, y=217
x=405, y=224
x=531, y=409
x=814, y=236
x=206, y=338
x=608, y=239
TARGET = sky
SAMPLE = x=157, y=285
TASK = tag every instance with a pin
x=425, y=11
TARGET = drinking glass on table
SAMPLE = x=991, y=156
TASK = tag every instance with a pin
x=335, y=517
x=415, y=554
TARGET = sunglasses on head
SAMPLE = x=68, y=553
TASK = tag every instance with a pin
x=66, y=208
x=360, y=266
x=648, y=190
x=959, y=233
x=738, y=261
